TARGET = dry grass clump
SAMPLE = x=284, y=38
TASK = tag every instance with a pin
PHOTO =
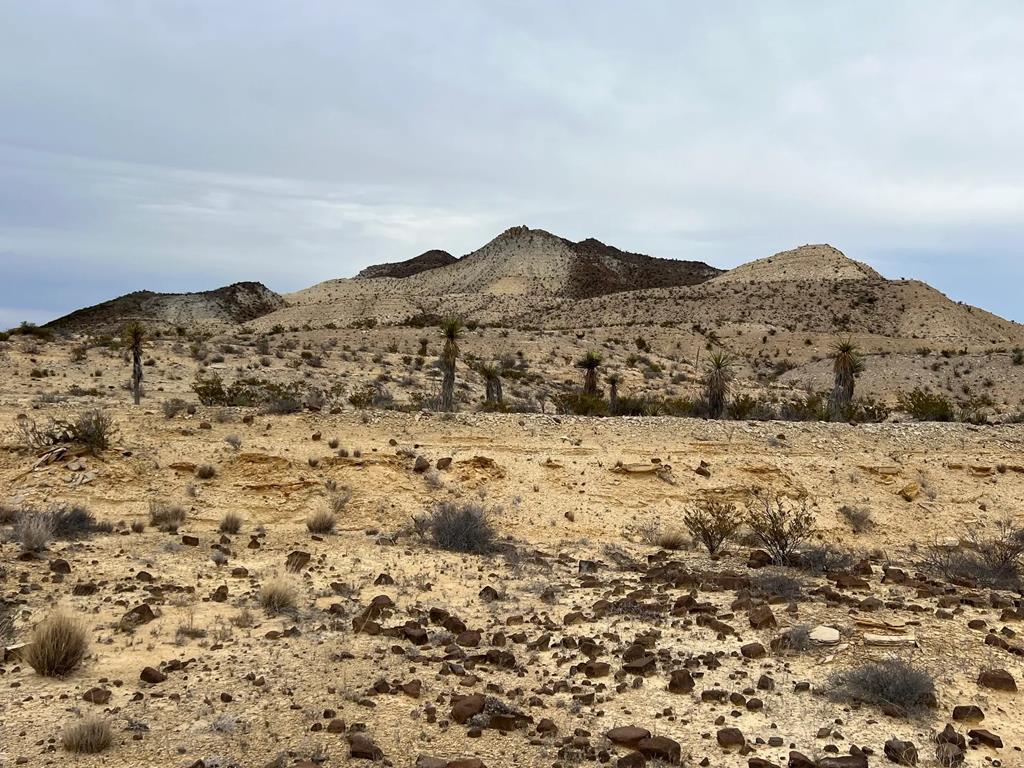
x=893, y=683
x=859, y=518
x=89, y=736
x=673, y=539
x=278, y=595
x=321, y=521
x=165, y=516
x=459, y=528
x=230, y=523
x=995, y=561
x=33, y=530
x=57, y=645
x=6, y=624
x=339, y=500
x=712, y=523
x=205, y=471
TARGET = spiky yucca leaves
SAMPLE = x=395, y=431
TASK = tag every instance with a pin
x=451, y=332
x=613, y=380
x=846, y=364
x=132, y=335
x=492, y=381
x=589, y=363
x=717, y=384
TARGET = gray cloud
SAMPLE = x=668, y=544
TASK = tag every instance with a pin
x=182, y=145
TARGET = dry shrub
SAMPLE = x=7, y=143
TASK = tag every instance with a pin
x=673, y=539
x=138, y=526
x=780, y=526
x=461, y=528
x=205, y=471
x=33, y=530
x=339, y=500
x=165, y=516
x=230, y=523
x=321, y=521
x=278, y=595
x=859, y=518
x=892, y=683
x=89, y=736
x=6, y=624
x=712, y=523
x=92, y=429
x=57, y=645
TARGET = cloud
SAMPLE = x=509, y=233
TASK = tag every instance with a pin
x=181, y=146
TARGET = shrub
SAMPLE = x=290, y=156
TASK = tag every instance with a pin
x=822, y=559
x=995, y=561
x=769, y=585
x=892, y=683
x=205, y=471
x=6, y=624
x=778, y=526
x=234, y=441
x=138, y=526
x=859, y=518
x=57, y=645
x=581, y=404
x=94, y=430
x=73, y=520
x=89, y=736
x=278, y=595
x=230, y=523
x=713, y=523
x=33, y=530
x=165, y=516
x=339, y=500
x=173, y=407
x=321, y=521
x=673, y=539
x=797, y=639
x=926, y=406
x=461, y=528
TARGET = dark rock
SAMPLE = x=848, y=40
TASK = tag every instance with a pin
x=901, y=752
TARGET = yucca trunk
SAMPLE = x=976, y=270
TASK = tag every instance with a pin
x=590, y=382
x=613, y=397
x=448, y=384
x=137, y=373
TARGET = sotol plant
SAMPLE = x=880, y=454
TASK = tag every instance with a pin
x=589, y=364
x=132, y=336
x=846, y=364
x=451, y=332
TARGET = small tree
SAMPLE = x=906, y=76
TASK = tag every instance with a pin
x=779, y=527
x=846, y=364
x=589, y=364
x=717, y=384
x=451, y=332
x=613, y=379
x=132, y=336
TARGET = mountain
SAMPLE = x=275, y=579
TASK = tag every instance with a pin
x=208, y=310
x=401, y=269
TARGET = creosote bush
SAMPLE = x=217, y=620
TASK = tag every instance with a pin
x=712, y=523
x=89, y=736
x=165, y=516
x=893, y=683
x=993, y=561
x=321, y=521
x=459, y=528
x=779, y=526
x=230, y=523
x=278, y=595
x=57, y=645
x=94, y=430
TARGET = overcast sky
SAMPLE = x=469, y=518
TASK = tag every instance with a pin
x=174, y=145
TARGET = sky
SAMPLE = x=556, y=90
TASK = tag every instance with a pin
x=172, y=145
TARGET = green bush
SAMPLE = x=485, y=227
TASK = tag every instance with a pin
x=926, y=406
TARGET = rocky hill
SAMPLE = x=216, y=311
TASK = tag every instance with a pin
x=207, y=310
x=401, y=269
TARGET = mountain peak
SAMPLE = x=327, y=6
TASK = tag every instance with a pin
x=819, y=261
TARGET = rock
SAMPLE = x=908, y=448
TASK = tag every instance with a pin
x=467, y=707
x=337, y=725
x=799, y=760
x=96, y=696
x=759, y=559
x=444, y=462
x=910, y=491
x=423, y=761
x=681, y=681
x=762, y=617
x=466, y=762
x=296, y=561
x=985, y=737
x=190, y=541
x=968, y=713
x=422, y=464
x=660, y=748
x=844, y=761
x=890, y=641
x=627, y=735
x=824, y=635
x=362, y=747
x=137, y=616
x=998, y=680
x=901, y=752
x=730, y=738
x=760, y=762
x=753, y=651
x=60, y=566
x=152, y=675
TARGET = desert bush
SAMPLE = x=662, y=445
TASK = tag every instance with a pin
x=138, y=526
x=779, y=526
x=461, y=528
x=580, y=404
x=165, y=516
x=94, y=430
x=33, y=530
x=893, y=683
x=822, y=558
x=672, y=539
x=6, y=624
x=712, y=523
x=796, y=639
x=234, y=441
x=71, y=521
x=278, y=595
x=321, y=521
x=338, y=500
x=173, y=407
x=926, y=406
x=89, y=736
x=776, y=585
x=993, y=561
x=230, y=523
x=859, y=518
x=205, y=471
x=57, y=645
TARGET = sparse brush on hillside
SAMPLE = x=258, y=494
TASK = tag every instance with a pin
x=712, y=523
x=165, y=516
x=895, y=684
x=458, y=528
x=926, y=406
x=780, y=526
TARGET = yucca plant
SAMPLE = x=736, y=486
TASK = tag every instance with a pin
x=613, y=380
x=846, y=364
x=451, y=332
x=589, y=363
x=492, y=381
x=717, y=383
x=132, y=336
